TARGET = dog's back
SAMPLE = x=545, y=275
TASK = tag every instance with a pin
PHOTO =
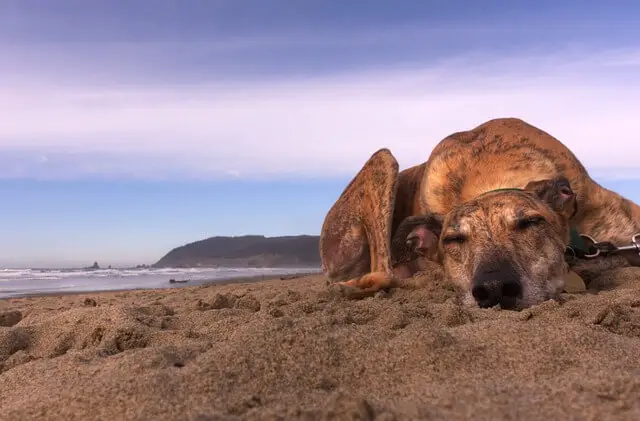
x=501, y=153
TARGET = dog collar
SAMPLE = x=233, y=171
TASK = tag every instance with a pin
x=576, y=242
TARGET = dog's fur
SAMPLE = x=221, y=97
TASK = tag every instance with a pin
x=387, y=225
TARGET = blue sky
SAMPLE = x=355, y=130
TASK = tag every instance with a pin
x=131, y=127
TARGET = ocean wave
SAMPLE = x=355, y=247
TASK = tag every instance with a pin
x=14, y=275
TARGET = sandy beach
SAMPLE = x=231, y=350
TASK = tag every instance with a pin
x=290, y=350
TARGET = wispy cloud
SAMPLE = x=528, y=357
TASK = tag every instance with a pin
x=55, y=126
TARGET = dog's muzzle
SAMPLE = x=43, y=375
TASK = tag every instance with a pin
x=497, y=283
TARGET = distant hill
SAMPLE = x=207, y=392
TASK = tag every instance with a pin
x=246, y=251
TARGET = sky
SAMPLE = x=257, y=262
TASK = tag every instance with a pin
x=130, y=127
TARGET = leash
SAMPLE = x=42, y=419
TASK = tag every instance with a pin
x=584, y=246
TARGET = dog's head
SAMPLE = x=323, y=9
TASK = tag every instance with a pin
x=506, y=246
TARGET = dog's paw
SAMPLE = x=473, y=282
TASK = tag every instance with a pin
x=366, y=286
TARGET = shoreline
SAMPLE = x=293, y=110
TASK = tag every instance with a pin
x=207, y=282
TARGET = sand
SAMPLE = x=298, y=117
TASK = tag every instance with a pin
x=289, y=349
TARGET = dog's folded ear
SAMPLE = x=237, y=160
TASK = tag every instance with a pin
x=416, y=236
x=557, y=193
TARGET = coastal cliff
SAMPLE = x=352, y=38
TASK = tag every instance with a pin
x=246, y=251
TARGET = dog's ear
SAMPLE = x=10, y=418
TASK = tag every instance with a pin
x=416, y=236
x=557, y=193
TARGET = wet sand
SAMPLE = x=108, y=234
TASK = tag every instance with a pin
x=289, y=349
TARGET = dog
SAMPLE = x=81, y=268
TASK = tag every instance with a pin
x=493, y=207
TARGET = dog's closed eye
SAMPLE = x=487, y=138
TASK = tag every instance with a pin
x=453, y=239
x=529, y=221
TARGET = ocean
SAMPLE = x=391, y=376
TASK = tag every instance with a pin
x=19, y=282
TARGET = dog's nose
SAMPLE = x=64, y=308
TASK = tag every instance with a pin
x=492, y=287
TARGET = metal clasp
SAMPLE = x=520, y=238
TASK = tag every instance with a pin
x=593, y=245
x=606, y=247
x=634, y=246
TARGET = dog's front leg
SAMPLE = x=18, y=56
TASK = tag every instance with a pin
x=355, y=241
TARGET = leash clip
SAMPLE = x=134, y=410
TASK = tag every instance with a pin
x=634, y=246
x=606, y=247
x=591, y=249
x=594, y=245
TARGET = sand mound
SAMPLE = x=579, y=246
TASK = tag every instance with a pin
x=288, y=349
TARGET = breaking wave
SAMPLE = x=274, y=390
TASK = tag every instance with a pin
x=16, y=282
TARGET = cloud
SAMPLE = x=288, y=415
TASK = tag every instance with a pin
x=324, y=126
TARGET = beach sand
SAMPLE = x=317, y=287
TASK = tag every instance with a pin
x=289, y=349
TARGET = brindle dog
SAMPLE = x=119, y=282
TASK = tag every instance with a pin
x=492, y=207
